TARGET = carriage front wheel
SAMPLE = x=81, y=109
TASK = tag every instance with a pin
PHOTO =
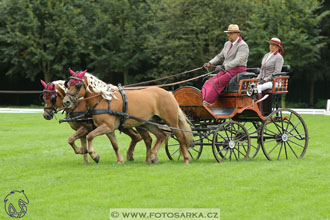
x=231, y=141
x=173, y=152
x=284, y=135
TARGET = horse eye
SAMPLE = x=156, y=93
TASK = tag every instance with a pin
x=66, y=84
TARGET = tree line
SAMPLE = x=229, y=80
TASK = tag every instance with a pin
x=128, y=41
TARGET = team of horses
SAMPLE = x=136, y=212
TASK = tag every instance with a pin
x=83, y=93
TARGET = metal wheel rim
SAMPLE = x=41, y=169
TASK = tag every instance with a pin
x=284, y=135
x=224, y=136
x=173, y=151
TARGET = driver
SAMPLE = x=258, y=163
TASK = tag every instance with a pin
x=232, y=59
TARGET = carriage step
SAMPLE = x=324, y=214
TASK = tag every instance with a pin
x=222, y=111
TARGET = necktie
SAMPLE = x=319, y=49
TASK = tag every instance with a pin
x=231, y=45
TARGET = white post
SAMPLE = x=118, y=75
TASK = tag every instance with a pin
x=328, y=106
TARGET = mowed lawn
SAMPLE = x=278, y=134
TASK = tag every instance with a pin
x=35, y=157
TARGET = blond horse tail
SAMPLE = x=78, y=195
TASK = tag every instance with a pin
x=183, y=124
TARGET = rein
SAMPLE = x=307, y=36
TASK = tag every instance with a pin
x=167, y=77
x=170, y=84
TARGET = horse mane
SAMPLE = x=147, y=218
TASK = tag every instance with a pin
x=60, y=83
x=108, y=90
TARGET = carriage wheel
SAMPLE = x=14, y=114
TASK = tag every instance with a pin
x=253, y=128
x=231, y=141
x=173, y=152
x=284, y=135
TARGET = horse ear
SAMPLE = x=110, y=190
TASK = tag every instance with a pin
x=43, y=83
x=82, y=74
x=71, y=71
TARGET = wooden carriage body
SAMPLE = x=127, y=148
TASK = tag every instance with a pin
x=236, y=128
x=238, y=100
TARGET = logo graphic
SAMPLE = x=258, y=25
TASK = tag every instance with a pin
x=15, y=204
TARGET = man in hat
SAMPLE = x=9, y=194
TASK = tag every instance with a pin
x=231, y=61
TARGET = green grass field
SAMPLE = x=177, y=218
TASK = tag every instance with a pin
x=35, y=156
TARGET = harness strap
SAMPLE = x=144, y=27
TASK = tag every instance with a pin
x=124, y=97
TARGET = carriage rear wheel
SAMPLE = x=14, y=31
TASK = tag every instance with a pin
x=173, y=152
x=284, y=135
x=231, y=141
x=253, y=128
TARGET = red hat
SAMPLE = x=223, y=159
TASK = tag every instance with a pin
x=277, y=42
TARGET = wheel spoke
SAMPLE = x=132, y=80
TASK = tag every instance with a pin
x=175, y=151
x=273, y=148
x=235, y=155
x=190, y=154
x=296, y=144
x=179, y=156
x=276, y=125
x=239, y=152
x=286, y=153
x=289, y=121
x=195, y=150
x=294, y=128
x=279, y=153
x=298, y=135
x=292, y=150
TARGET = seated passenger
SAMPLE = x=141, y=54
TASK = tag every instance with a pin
x=271, y=63
x=232, y=59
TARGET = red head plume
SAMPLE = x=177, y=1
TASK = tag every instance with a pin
x=82, y=74
x=71, y=71
x=43, y=83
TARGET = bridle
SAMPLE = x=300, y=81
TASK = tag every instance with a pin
x=73, y=96
x=53, y=98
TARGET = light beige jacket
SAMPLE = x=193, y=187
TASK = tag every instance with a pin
x=236, y=56
x=272, y=65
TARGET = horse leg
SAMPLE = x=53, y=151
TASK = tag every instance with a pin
x=183, y=146
x=160, y=137
x=147, y=140
x=102, y=129
x=113, y=140
x=84, y=148
x=135, y=139
x=81, y=132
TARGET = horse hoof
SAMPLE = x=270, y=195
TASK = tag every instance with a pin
x=97, y=159
x=130, y=159
x=154, y=160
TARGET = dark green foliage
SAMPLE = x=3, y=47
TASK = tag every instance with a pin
x=125, y=41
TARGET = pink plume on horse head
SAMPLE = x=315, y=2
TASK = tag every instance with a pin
x=43, y=83
x=71, y=71
x=82, y=74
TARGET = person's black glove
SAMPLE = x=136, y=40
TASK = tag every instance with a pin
x=219, y=68
x=261, y=81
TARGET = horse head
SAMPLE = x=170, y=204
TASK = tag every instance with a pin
x=76, y=88
x=52, y=98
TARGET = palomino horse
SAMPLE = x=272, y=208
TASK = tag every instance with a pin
x=53, y=96
x=145, y=104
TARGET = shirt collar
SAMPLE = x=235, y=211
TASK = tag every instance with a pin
x=237, y=40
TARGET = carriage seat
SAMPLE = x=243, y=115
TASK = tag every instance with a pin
x=284, y=72
x=233, y=84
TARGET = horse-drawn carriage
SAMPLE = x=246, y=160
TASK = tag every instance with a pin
x=236, y=128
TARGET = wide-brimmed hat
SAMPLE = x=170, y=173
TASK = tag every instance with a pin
x=277, y=42
x=233, y=28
